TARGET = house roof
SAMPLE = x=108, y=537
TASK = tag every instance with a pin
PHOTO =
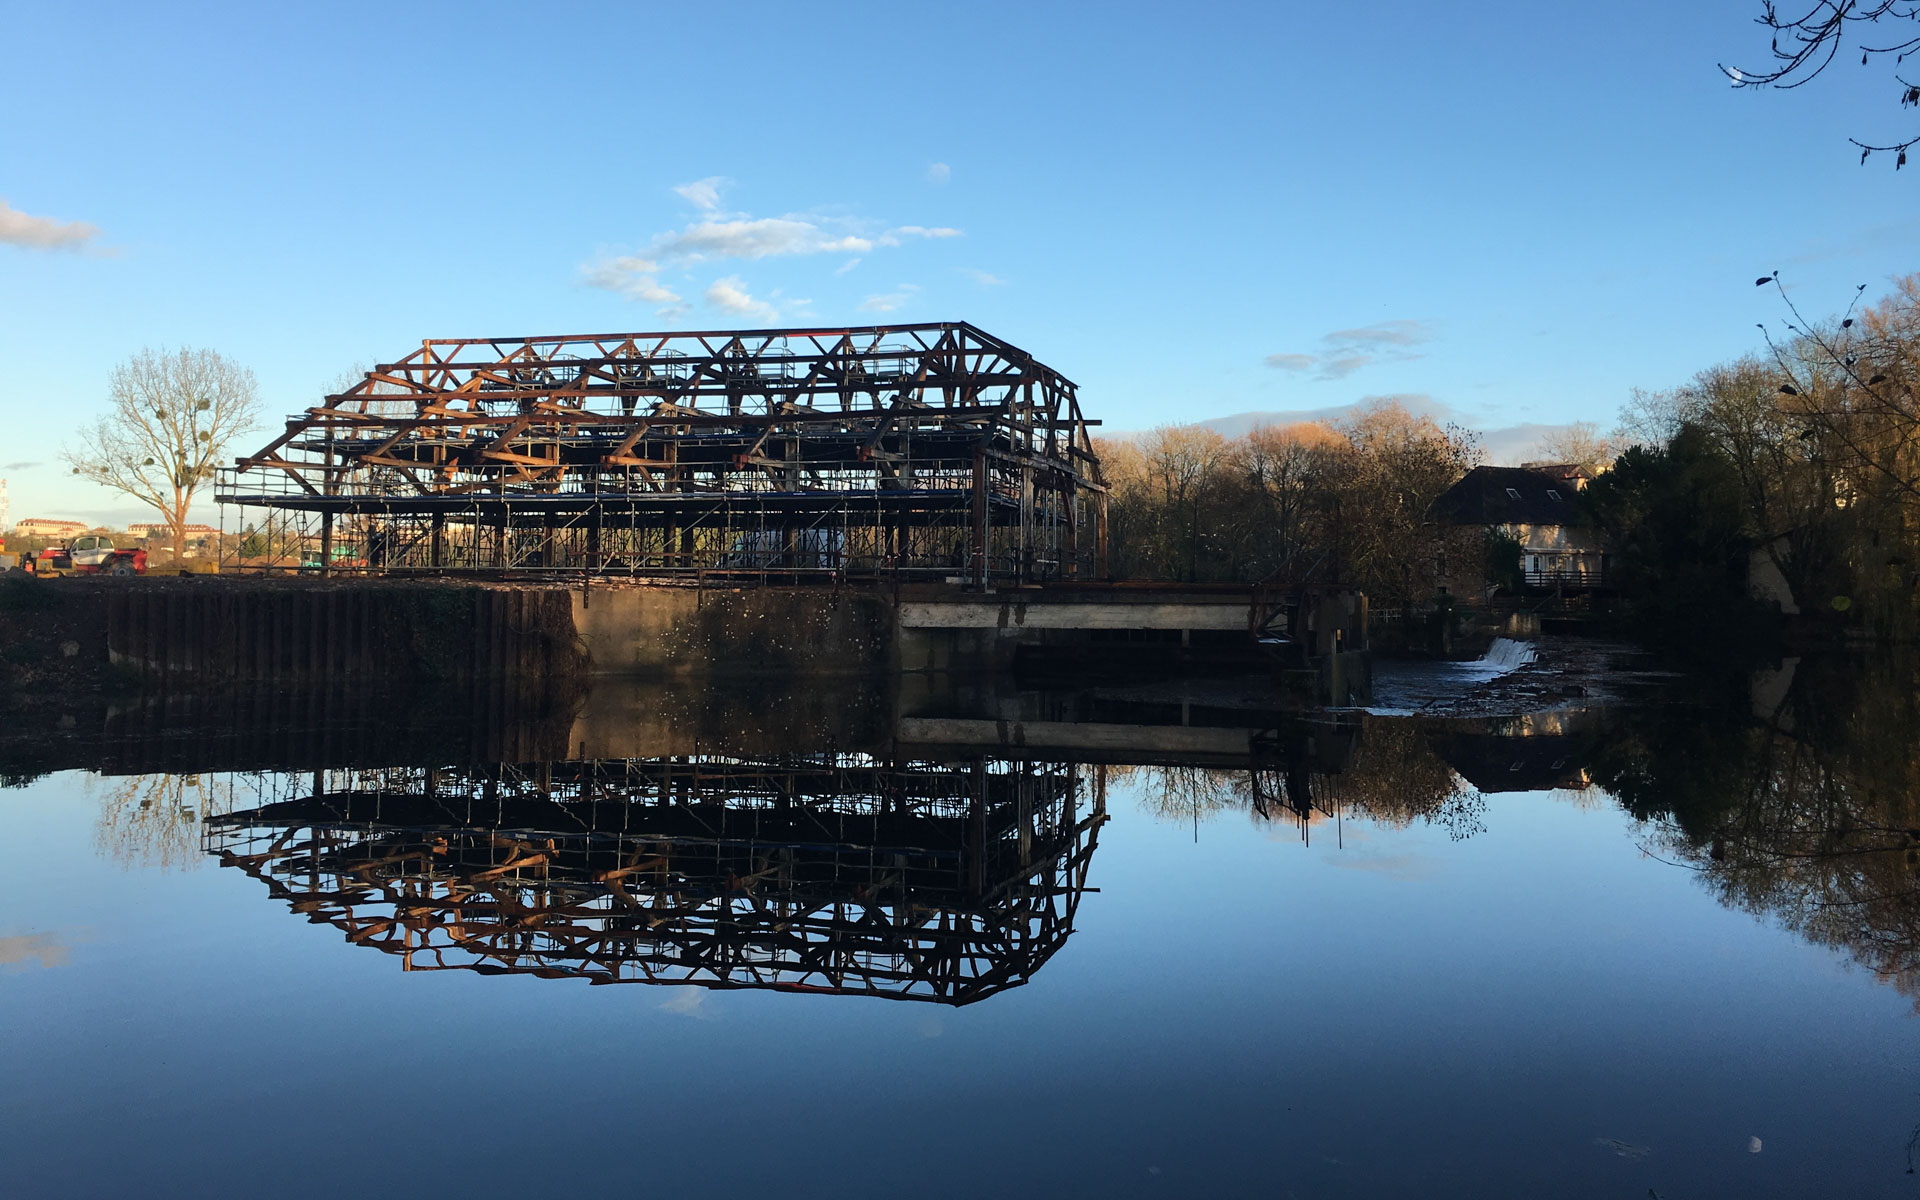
x=1510, y=496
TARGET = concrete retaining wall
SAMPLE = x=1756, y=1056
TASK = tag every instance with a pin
x=280, y=631
x=207, y=631
x=640, y=630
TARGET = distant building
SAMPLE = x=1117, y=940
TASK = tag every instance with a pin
x=158, y=529
x=49, y=527
x=1560, y=545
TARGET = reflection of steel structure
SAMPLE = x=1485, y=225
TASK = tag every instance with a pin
x=916, y=449
x=820, y=873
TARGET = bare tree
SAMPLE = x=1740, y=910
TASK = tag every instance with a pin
x=1581, y=442
x=1803, y=46
x=1279, y=465
x=1182, y=461
x=171, y=418
x=154, y=820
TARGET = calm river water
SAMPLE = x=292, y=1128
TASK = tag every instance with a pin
x=975, y=945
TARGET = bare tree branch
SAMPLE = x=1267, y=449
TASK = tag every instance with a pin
x=171, y=418
x=1803, y=46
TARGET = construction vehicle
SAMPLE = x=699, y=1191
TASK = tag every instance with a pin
x=93, y=554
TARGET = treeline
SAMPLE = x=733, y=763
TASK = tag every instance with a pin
x=1326, y=503
x=1797, y=466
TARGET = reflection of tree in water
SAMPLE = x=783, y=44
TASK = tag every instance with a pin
x=1389, y=773
x=154, y=820
x=1185, y=793
x=1805, y=811
x=1396, y=778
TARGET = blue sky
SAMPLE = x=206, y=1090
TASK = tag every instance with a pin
x=1518, y=211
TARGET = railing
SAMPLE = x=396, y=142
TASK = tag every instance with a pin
x=1567, y=577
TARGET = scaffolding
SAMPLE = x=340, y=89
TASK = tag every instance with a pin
x=837, y=873
x=919, y=451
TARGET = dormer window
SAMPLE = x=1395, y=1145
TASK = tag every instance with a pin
x=1552, y=495
x=1513, y=493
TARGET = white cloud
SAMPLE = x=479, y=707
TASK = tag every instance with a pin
x=688, y=1002
x=981, y=277
x=731, y=295
x=1345, y=351
x=892, y=236
x=43, y=233
x=1343, y=365
x=888, y=301
x=748, y=238
x=1293, y=362
x=1384, y=333
x=704, y=193
x=634, y=278
x=939, y=173
x=716, y=236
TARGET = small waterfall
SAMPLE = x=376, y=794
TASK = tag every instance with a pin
x=1505, y=655
x=1409, y=688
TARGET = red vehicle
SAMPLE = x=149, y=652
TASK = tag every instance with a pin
x=90, y=555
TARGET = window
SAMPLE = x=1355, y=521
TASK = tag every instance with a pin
x=1513, y=493
x=1552, y=495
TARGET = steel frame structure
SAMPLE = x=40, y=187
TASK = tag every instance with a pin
x=930, y=450
x=818, y=873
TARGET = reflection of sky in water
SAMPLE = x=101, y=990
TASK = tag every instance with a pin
x=1404, y=1014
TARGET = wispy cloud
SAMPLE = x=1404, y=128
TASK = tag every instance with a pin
x=43, y=233
x=688, y=1002
x=704, y=193
x=1293, y=362
x=1867, y=241
x=1384, y=333
x=939, y=173
x=748, y=238
x=981, y=277
x=892, y=236
x=716, y=236
x=1345, y=351
x=632, y=277
x=731, y=295
x=20, y=466
x=889, y=301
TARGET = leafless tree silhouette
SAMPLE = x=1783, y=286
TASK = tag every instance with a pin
x=1805, y=45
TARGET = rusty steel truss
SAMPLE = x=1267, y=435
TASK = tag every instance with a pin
x=910, y=450
x=837, y=873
